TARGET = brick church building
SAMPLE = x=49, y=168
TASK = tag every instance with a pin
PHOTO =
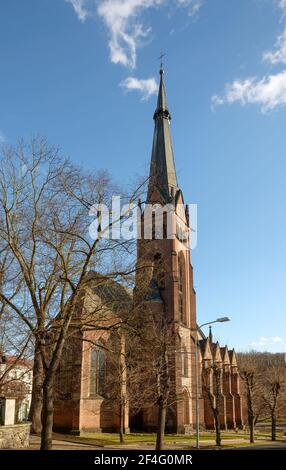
x=86, y=369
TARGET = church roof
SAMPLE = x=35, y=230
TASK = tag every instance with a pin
x=201, y=334
x=112, y=293
x=16, y=360
x=163, y=179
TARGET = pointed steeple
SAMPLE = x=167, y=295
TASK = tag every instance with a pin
x=162, y=107
x=210, y=334
x=163, y=179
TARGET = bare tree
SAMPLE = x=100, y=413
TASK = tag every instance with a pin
x=149, y=376
x=151, y=350
x=273, y=386
x=116, y=378
x=14, y=341
x=161, y=370
x=212, y=377
x=250, y=373
x=44, y=233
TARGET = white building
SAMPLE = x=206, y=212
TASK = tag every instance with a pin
x=16, y=378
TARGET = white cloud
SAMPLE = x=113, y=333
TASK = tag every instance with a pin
x=268, y=93
x=80, y=8
x=279, y=55
x=193, y=6
x=282, y=4
x=123, y=20
x=2, y=137
x=269, y=343
x=125, y=29
x=147, y=87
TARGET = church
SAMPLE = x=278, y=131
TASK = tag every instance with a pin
x=203, y=372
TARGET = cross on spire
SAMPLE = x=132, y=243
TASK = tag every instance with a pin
x=161, y=61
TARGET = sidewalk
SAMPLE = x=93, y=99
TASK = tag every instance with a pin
x=61, y=445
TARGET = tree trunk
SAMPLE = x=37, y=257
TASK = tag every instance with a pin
x=217, y=429
x=48, y=412
x=273, y=427
x=251, y=428
x=162, y=410
x=121, y=428
x=122, y=368
x=35, y=414
x=48, y=386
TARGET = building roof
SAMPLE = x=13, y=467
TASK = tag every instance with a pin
x=113, y=294
x=18, y=362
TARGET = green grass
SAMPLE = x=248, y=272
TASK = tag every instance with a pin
x=268, y=421
x=177, y=441
x=146, y=438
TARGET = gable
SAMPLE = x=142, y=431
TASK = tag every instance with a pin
x=233, y=358
x=206, y=350
x=225, y=355
x=217, y=353
x=180, y=208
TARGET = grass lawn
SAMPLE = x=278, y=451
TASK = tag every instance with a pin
x=136, y=438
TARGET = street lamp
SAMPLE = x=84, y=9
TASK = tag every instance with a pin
x=218, y=320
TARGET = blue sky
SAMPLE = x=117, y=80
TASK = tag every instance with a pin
x=84, y=73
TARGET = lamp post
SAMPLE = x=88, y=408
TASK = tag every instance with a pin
x=218, y=320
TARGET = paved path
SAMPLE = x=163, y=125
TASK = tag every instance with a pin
x=61, y=445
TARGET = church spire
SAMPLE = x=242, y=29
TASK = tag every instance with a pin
x=163, y=179
x=210, y=335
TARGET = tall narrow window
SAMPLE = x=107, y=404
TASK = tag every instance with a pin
x=185, y=363
x=64, y=376
x=97, y=371
x=165, y=225
x=158, y=226
x=180, y=290
x=153, y=226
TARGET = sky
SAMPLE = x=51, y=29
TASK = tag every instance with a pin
x=84, y=73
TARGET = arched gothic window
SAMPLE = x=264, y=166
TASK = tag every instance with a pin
x=97, y=371
x=64, y=375
x=159, y=225
x=180, y=290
